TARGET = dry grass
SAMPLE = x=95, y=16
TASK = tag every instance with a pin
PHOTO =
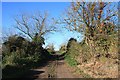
x=100, y=69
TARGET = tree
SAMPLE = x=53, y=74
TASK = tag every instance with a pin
x=38, y=39
x=70, y=42
x=90, y=19
x=15, y=43
x=35, y=24
x=63, y=48
x=50, y=48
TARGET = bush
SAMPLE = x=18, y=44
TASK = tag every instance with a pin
x=18, y=51
x=71, y=61
x=19, y=60
x=103, y=46
x=10, y=59
x=78, y=52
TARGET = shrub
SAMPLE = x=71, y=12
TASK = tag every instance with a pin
x=10, y=59
x=71, y=61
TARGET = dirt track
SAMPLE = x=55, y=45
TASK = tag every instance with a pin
x=57, y=69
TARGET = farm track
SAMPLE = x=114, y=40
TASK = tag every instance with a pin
x=54, y=69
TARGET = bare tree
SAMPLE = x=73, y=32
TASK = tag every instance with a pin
x=89, y=17
x=38, y=23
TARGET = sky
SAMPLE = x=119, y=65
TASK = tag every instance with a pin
x=55, y=9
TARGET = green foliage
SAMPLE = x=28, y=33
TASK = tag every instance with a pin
x=20, y=62
x=71, y=61
x=10, y=59
x=107, y=44
x=15, y=59
x=98, y=31
x=85, y=52
x=82, y=52
x=77, y=53
x=19, y=52
x=72, y=52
